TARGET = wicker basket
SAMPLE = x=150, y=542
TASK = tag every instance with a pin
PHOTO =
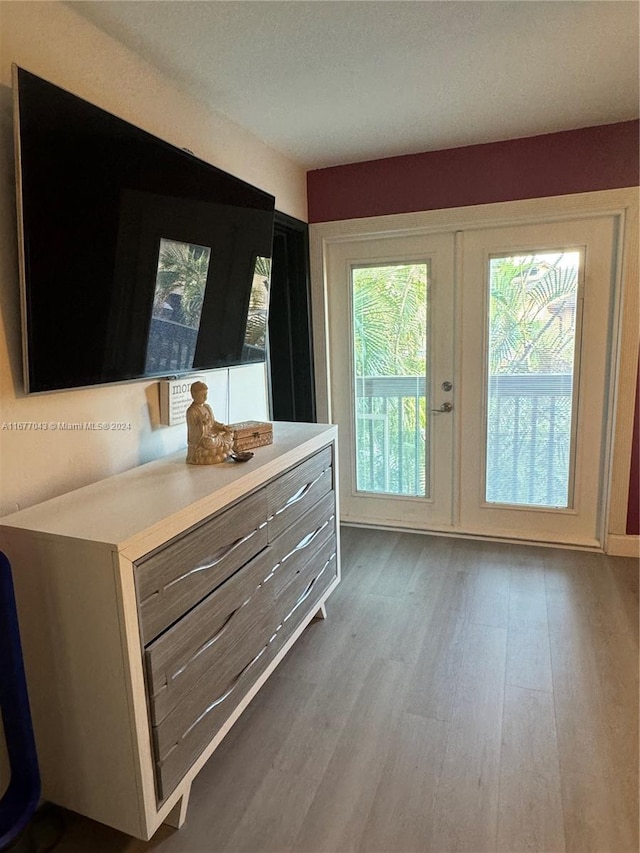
x=248, y=434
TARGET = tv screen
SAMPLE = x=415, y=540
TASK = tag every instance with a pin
x=139, y=259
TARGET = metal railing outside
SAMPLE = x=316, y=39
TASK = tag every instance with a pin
x=528, y=437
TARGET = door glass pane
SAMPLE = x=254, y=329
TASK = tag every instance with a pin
x=390, y=335
x=531, y=360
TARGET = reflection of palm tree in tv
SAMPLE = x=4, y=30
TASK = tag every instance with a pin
x=263, y=268
x=181, y=279
x=259, y=304
x=180, y=282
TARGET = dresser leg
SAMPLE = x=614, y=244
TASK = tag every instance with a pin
x=178, y=813
x=321, y=613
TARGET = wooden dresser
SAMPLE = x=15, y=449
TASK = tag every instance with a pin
x=154, y=604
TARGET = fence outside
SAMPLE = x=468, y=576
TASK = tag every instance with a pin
x=528, y=437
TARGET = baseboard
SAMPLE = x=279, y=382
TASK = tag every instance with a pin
x=623, y=546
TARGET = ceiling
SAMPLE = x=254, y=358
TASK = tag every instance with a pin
x=328, y=82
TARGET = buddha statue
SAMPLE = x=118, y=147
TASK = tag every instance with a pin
x=208, y=440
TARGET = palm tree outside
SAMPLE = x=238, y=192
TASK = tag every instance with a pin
x=531, y=337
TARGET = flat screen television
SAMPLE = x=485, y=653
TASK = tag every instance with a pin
x=139, y=259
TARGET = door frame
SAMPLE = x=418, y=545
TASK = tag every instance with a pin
x=622, y=204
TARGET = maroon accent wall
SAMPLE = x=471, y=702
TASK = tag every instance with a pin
x=633, y=513
x=574, y=161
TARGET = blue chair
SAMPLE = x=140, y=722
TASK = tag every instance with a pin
x=23, y=794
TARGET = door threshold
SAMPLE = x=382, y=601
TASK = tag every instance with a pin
x=593, y=547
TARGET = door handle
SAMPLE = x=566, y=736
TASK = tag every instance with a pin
x=445, y=407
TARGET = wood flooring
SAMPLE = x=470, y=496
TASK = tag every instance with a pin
x=460, y=696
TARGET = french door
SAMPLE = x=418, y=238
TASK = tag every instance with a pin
x=389, y=301
x=469, y=377
x=535, y=341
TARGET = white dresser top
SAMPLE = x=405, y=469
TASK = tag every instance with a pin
x=137, y=510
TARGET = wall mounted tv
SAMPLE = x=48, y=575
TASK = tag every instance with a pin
x=139, y=259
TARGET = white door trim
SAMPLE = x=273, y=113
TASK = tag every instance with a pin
x=623, y=546
x=622, y=203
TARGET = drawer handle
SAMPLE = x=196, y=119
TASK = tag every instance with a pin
x=224, y=696
x=307, y=591
x=302, y=491
x=216, y=558
x=302, y=544
x=302, y=598
x=207, y=645
x=308, y=539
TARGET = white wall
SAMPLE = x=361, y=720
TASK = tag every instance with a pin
x=52, y=41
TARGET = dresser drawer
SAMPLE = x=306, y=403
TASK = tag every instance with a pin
x=180, y=656
x=175, y=756
x=217, y=626
x=278, y=611
x=173, y=580
x=293, y=493
x=185, y=733
x=303, y=539
x=307, y=585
